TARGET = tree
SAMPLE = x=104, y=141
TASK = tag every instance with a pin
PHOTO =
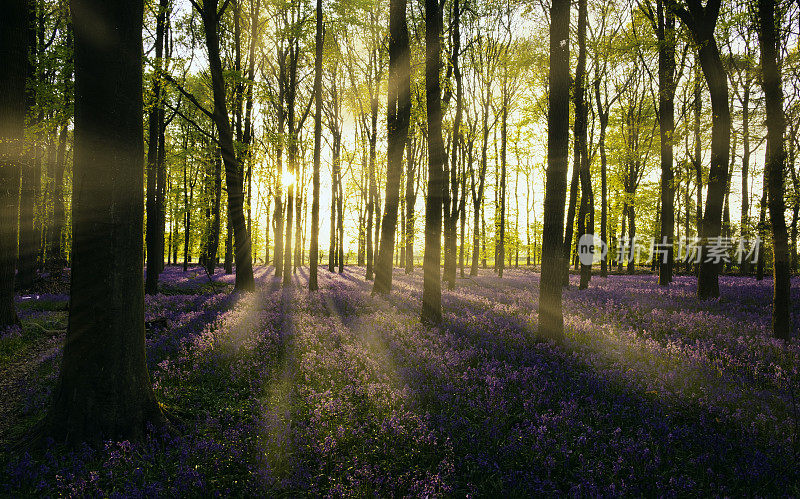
x=314, y=255
x=432, y=284
x=13, y=60
x=551, y=318
x=155, y=254
x=663, y=21
x=452, y=206
x=775, y=164
x=411, y=192
x=586, y=212
x=701, y=21
x=397, y=120
x=603, y=57
x=104, y=388
x=211, y=16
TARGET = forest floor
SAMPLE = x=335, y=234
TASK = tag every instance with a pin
x=284, y=392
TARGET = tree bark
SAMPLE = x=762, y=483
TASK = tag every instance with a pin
x=603, y=116
x=665, y=30
x=701, y=22
x=30, y=172
x=14, y=61
x=744, y=231
x=586, y=212
x=104, y=389
x=432, y=284
x=411, y=201
x=155, y=119
x=397, y=120
x=451, y=192
x=314, y=251
x=233, y=171
x=774, y=164
x=551, y=319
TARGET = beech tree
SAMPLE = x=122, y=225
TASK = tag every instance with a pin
x=314, y=255
x=432, y=284
x=774, y=166
x=211, y=14
x=701, y=21
x=398, y=115
x=104, y=388
x=551, y=318
x=13, y=60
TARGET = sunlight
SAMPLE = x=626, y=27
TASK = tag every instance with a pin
x=287, y=179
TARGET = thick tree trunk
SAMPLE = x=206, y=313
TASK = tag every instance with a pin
x=666, y=97
x=774, y=164
x=398, y=115
x=551, y=319
x=701, y=22
x=314, y=253
x=432, y=283
x=104, y=389
x=30, y=167
x=13, y=60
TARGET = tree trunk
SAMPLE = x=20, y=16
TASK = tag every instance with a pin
x=701, y=22
x=632, y=232
x=57, y=251
x=398, y=115
x=666, y=97
x=104, y=389
x=603, y=115
x=698, y=155
x=314, y=250
x=762, y=224
x=774, y=164
x=30, y=172
x=501, y=239
x=411, y=201
x=14, y=61
x=213, y=237
x=586, y=212
x=451, y=192
x=154, y=260
x=551, y=319
x=744, y=230
x=432, y=284
x=291, y=95
x=477, y=196
x=233, y=170
x=569, y=229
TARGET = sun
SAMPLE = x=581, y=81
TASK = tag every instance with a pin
x=287, y=179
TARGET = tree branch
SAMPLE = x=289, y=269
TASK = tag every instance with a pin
x=188, y=95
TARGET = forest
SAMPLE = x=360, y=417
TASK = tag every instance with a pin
x=433, y=248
